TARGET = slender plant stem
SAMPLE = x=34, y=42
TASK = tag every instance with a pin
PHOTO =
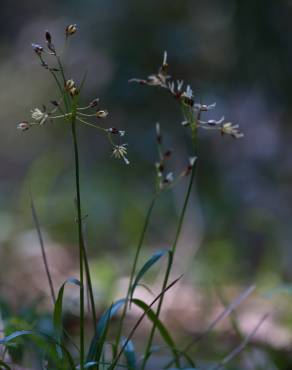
x=89, y=284
x=169, y=266
x=44, y=255
x=134, y=266
x=80, y=236
x=193, y=121
x=73, y=118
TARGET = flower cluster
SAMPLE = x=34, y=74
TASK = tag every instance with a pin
x=67, y=110
x=164, y=178
x=184, y=94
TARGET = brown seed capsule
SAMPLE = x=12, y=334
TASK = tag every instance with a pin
x=71, y=29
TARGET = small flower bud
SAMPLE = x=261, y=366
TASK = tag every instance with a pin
x=185, y=123
x=55, y=103
x=113, y=130
x=94, y=103
x=192, y=161
x=167, y=154
x=71, y=29
x=190, y=166
x=70, y=84
x=73, y=91
x=158, y=133
x=160, y=168
x=37, y=48
x=48, y=37
x=169, y=178
x=23, y=126
x=101, y=114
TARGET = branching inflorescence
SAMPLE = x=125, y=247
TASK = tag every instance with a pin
x=66, y=107
x=62, y=107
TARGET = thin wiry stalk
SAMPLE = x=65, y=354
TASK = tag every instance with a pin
x=44, y=255
x=45, y=260
x=241, y=347
x=221, y=316
x=89, y=283
x=193, y=120
x=80, y=236
x=86, y=264
x=169, y=267
x=134, y=267
x=232, y=317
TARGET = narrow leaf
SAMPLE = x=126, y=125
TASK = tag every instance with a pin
x=147, y=266
x=58, y=311
x=102, y=327
x=130, y=355
x=47, y=338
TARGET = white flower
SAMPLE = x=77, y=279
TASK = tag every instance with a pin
x=39, y=116
x=192, y=161
x=179, y=85
x=169, y=177
x=164, y=63
x=188, y=93
x=204, y=107
x=120, y=151
x=230, y=129
x=101, y=114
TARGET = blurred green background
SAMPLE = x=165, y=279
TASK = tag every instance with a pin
x=235, y=53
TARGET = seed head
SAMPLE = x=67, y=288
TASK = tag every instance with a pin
x=120, y=152
x=71, y=87
x=71, y=29
x=101, y=113
x=39, y=116
x=69, y=84
x=230, y=129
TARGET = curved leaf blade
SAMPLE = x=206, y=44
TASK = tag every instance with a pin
x=51, y=340
x=147, y=266
x=99, y=336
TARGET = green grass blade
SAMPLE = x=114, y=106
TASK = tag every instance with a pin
x=147, y=266
x=58, y=308
x=101, y=329
x=47, y=338
x=4, y=365
x=99, y=337
x=130, y=355
x=159, y=325
x=145, y=313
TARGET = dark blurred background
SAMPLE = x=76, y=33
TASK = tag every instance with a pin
x=235, y=53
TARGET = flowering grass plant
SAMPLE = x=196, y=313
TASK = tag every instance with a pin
x=90, y=352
